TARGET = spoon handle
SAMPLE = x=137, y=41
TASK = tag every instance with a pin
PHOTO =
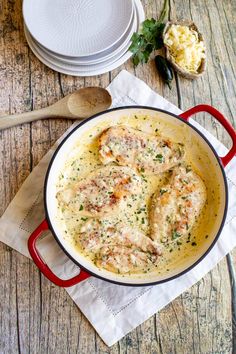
x=15, y=119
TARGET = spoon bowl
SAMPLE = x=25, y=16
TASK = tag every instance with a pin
x=88, y=101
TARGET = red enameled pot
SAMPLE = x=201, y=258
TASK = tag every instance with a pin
x=59, y=158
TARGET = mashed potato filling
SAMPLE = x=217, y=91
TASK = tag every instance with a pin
x=185, y=47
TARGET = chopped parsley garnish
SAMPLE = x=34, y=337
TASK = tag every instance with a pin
x=168, y=218
x=144, y=179
x=81, y=207
x=188, y=169
x=162, y=191
x=175, y=235
x=159, y=158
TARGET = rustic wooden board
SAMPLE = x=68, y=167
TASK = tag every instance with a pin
x=38, y=317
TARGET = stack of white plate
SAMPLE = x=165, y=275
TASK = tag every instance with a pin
x=82, y=37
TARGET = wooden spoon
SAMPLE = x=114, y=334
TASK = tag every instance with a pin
x=80, y=104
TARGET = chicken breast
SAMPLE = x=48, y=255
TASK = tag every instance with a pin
x=176, y=206
x=102, y=192
x=118, y=248
x=139, y=150
x=120, y=259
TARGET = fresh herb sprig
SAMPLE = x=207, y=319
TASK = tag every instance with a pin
x=149, y=38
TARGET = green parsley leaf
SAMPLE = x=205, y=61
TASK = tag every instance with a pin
x=188, y=169
x=149, y=38
x=81, y=207
x=162, y=191
x=159, y=158
x=175, y=235
x=146, y=41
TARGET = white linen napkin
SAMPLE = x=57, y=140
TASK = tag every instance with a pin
x=123, y=308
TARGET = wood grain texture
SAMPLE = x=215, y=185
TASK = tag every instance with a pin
x=38, y=317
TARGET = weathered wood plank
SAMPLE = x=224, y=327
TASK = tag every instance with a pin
x=36, y=316
x=219, y=334
x=15, y=148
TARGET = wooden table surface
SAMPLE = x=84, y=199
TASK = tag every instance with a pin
x=38, y=317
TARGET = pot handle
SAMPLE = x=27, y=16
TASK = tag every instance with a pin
x=226, y=124
x=43, y=266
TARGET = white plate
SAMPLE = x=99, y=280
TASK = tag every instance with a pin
x=123, y=43
x=75, y=70
x=64, y=64
x=80, y=70
x=77, y=27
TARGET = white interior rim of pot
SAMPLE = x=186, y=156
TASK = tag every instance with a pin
x=79, y=259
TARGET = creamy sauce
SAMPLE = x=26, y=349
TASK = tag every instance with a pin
x=83, y=159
